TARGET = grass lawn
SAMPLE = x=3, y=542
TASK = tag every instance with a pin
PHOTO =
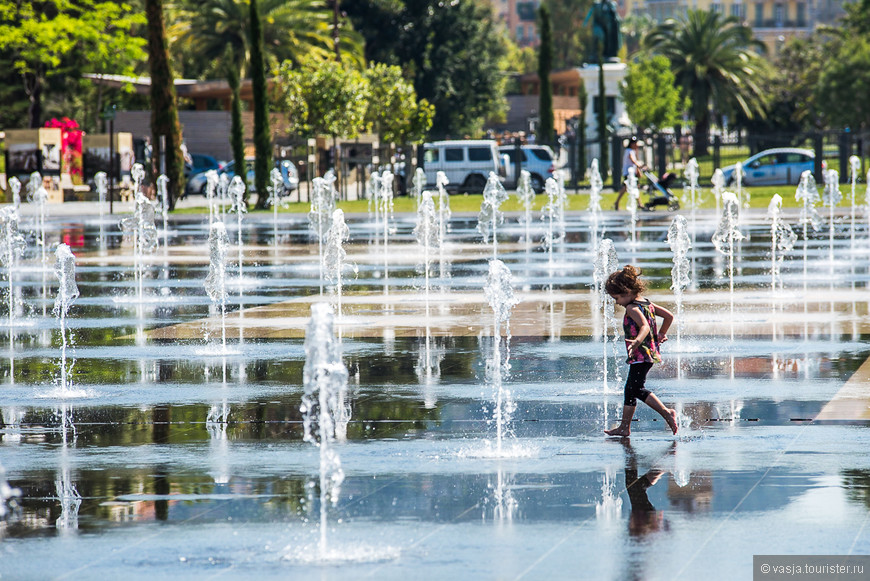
x=760, y=198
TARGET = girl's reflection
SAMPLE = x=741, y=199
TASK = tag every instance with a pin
x=644, y=517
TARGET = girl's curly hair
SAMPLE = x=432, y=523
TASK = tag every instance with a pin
x=625, y=281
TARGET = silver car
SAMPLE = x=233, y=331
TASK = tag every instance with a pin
x=774, y=167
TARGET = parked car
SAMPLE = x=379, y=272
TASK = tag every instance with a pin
x=773, y=167
x=197, y=184
x=538, y=160
x=467, y=163
x=201, y=163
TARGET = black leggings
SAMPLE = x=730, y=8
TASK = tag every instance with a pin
x=634, y=384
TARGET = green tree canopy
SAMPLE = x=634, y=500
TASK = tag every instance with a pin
x=844, y=82
x=715, y=62
x=322, y=97
x=570, y=37
x=652, y=100
x=292, y=29
x=394, y=112
x=453, y=51
x=63, y=38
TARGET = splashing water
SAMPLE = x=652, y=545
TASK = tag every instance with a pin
x=855, y=167
x=386, y=206
x=718, y=181
x=428, y=235
x=526, y=196
x=240, y=207
x=216, y=281
x=782, y=239
x=211, y=184
x=808, y=194
x=67, y=292
x=276, y=187
x=322, y=207
x=633, y=201
x=738, y=180
x=36, y=194
x=725, y=241
x=680, y=243
x=221, y=192
x=141, y=226
x=596, y=184
x=12, y=244
x=550, y=214
x=163, y=193
x=101, y=183
x=15, y=188
x=419, y=182
x=831, y=198
x=337, y=235
x=500, y=295
x=490, y=216
x=606, y=262
x=444, y=216
x=323, y=408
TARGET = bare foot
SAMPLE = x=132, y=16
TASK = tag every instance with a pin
x=619, y=431
x=671, y=418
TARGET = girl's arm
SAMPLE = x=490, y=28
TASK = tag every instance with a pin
x=643, y=328
x=667, y=319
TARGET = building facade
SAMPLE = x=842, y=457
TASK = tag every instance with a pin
x=520, y=20
x=773, y=21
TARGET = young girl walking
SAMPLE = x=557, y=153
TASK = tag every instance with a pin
x=642, y=339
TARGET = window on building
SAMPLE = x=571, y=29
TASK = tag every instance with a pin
x=716, y=7
x=738, y=11
x=520, y=32
x=759, y=14
x=779, y=14
x=801, y=14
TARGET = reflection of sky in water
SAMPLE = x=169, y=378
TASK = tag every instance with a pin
x=181, y=473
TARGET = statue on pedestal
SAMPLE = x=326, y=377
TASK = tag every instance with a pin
x=605, y=29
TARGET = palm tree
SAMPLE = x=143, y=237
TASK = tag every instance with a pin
x=715, y=63
x=291, y=29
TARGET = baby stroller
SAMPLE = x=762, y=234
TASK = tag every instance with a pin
x=659, y=193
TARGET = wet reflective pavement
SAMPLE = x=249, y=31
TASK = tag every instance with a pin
x=184, y=459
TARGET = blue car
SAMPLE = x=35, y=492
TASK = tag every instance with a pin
x=774, y=167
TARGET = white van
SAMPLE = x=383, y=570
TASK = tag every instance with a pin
x=467, y=163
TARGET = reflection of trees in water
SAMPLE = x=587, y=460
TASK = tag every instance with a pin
x=857, y=484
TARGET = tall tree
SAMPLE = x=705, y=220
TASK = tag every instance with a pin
x=291, y=29
x=716, y=63
x=164, y=114
x=237, y=130
x=568, y=33
x=545, y=66
x=453, y=51
x=262, y=135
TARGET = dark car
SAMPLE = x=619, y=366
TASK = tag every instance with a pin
x=201, y=163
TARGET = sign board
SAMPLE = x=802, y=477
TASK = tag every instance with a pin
x=95, y=154
x=30, y=150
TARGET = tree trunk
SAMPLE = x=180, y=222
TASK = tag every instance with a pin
x=33, y=89
x=262, y=135
x=164, y=114
x=237, y=132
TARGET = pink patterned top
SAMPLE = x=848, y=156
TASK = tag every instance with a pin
x=648, y=351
